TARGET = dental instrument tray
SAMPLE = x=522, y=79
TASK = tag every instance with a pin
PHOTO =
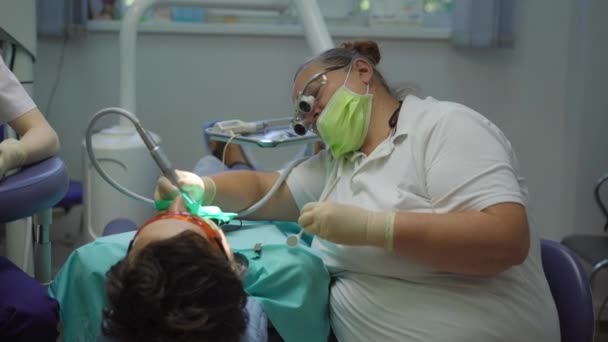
x=263, y=133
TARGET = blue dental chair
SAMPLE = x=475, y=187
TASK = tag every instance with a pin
x=593, y=248
x=73, y=195
x=571, y=292
x=34, y=191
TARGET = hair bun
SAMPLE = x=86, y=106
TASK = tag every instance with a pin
x=367, y=48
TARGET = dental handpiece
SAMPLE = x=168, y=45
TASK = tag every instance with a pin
x=161, y=160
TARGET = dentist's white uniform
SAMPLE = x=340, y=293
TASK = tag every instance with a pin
x=442, y=157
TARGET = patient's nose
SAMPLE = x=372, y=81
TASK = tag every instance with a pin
x=178, y=204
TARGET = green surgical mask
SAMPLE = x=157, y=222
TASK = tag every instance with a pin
x=344, y=121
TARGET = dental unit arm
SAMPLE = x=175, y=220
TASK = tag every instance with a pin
x=239, y=127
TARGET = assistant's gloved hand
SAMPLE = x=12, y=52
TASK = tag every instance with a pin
x=199, y=189
x=348, y=225
x=12, y=155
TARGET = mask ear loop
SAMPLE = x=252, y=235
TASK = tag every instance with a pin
x=350, y=67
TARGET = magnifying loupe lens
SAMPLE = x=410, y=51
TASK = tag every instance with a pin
x=305, y=107
x=299, y=129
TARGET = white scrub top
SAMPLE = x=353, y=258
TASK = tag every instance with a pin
x=14, y=100
x=443, y=157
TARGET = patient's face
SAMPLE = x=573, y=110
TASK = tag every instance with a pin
x=166, y=228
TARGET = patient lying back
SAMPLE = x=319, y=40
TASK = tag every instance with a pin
x=178, y=282
x=181, y=281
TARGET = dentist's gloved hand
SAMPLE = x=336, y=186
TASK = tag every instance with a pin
x=12, y=155
x=348, y=225
x=199, y=189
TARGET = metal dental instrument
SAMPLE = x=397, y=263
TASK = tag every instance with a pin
x=294, y=239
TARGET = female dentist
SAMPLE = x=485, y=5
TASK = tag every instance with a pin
x=418, y=210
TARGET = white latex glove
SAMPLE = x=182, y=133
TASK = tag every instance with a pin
x=12, y=155
x=198, y=188
x=348, y=225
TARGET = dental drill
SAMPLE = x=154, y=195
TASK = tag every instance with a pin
x=161, y=159
x=163, y=162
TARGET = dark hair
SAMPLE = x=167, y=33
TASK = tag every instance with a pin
x=346, y=53
x=177, y=289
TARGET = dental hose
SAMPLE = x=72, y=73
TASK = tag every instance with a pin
x=163, y=162
x=93, y=159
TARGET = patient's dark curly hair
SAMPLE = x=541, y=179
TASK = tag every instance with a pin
x=178, y=289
